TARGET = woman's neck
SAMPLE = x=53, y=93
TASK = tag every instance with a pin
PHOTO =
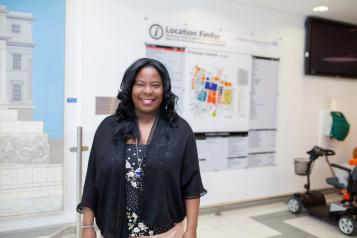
x=145, y=124
x=144, y=118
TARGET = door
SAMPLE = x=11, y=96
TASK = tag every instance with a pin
x=37, y=171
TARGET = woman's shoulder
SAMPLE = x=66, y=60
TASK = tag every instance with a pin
x=182, y=124
x=107, y=124
x=108, y=121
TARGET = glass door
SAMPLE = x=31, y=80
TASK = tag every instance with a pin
x=33, y=186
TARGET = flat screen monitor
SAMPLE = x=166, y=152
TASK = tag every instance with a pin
x=331, y=48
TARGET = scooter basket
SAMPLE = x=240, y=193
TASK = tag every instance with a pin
x=303, y=166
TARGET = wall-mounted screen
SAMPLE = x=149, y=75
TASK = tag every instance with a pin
x=331, y=48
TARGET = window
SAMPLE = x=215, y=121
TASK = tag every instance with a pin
x=16, y=61
x=15, y=28
x=16, y=92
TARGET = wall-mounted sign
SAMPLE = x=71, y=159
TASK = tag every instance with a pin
x=105, y=105
x=166, y=34
x=184, y=35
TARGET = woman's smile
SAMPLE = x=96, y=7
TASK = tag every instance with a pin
x=147, y=101
x=147, y=92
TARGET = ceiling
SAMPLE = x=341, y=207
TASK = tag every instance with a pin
x=341, y=10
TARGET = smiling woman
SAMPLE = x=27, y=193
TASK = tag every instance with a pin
x=143, y=177
x=147, y=91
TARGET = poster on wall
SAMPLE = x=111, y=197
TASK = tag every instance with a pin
x=217, y=90
x=211, y=150
x=263, y=110
x=238, y=152
x=31, y=106
x=212, y=87
x=264, y=93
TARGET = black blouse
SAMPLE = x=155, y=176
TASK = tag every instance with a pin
x=171, y=175
x=136, y=225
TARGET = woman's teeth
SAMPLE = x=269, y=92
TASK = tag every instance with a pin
x=147, y=101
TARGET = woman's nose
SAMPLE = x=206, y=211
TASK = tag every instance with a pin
x=147, y=89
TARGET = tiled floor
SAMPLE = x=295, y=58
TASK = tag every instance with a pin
x=272, y=220
x=238, y=223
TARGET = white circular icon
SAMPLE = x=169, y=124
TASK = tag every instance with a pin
x=156, y=31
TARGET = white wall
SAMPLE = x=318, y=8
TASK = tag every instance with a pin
x=113, y=38
x=104, y=36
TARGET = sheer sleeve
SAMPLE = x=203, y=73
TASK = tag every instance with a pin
x=89, y=196
x=191, y=182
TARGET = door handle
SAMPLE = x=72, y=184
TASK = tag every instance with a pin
x=74, y=149
x=79, y=176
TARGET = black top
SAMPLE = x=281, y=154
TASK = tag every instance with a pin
x=171, y=175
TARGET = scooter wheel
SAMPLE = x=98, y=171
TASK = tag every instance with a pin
x=347, y=225
x=295, y=205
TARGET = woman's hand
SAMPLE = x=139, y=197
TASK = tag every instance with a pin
x=88, y=220
x=192, y=206
x=89, y=233
x=189, y=234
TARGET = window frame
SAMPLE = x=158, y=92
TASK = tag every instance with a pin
x=16, y=61
x=15, y=28
x=16, y=91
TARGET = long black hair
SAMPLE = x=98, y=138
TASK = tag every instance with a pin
x=125, y=111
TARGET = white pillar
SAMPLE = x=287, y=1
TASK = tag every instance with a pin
x=3, y=75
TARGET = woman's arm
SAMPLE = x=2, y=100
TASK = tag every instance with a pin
x=88, y=220
x=192, y=207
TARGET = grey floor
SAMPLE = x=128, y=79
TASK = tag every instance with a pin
x=268, y=220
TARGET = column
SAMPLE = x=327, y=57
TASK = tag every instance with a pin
x=3, y=75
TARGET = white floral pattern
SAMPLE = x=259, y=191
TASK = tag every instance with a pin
x=136, y=228
x=130, y=174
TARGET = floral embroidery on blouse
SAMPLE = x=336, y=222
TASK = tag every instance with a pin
x=130, y=174
x=137, y=228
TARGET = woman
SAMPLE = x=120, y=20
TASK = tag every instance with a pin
x=143, y=176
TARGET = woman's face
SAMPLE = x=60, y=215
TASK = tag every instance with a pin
x=147, y=92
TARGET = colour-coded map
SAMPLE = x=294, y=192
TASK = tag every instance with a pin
x=217, y=87
x=212, y=93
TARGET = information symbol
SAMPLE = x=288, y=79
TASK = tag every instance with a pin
x=156, y=31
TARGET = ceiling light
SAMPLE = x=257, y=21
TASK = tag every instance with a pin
x=320, y=9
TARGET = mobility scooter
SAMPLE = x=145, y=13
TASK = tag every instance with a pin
x=343, y=213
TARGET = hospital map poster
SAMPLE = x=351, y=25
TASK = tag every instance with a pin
x=217, y=88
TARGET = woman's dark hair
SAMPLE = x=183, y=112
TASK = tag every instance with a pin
x=125, y=111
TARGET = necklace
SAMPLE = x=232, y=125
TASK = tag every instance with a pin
x=139, y=171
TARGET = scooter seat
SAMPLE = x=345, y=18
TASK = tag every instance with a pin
x=334, y=182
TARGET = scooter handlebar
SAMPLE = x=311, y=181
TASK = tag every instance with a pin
x=329, y=152
x=317, y=151
x=341, y=167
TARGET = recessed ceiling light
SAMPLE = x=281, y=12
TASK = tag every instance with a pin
x=320, y=9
